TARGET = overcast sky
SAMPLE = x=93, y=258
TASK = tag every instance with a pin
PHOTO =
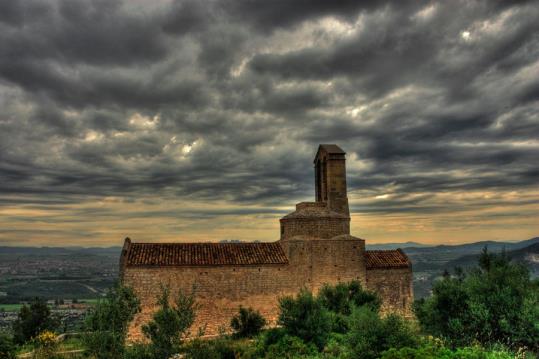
x=198, y=120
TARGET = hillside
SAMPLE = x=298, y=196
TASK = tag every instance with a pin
x=430, y=262
x=528, y=255
x=437, y=257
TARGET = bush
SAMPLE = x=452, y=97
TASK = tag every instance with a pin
x=170, y=323
x=305, y=317
x=46, y=345
x=137, y=351
x=495, y=303
x=107, y=323
x=337, y=347
x=7, y=347
x=291, y=347
x=220, y=348
x=431, y=350
x=342, y=297
x=271, y=336
x=33, y=320
x=369, y=335
x=247, y=323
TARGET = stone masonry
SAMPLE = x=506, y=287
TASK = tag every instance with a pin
x=315, y=248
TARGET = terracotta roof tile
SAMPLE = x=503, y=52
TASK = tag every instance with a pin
x=386, y=259
x=205, y=254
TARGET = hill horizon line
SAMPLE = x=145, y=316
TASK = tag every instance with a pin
x=408, y=244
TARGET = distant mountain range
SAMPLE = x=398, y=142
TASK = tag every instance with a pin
x=386, y=246
x=492, y=245
x=528, y=255
x=60, y=250
x=464, y=255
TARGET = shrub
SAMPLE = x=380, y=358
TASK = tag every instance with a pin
x=342, y=297
x=33, y=320
x=271, y=336
x=337, y=347
x=107, y=323
x=7, y=347
x=200, y=349
x=494, y=303
x=291, y=347
x=220, y=348
x=305, y=317
x=137, y=351
x=46, y=345
x=428, y=350
x=247, y=323
x=170, y=323
x=369, y=335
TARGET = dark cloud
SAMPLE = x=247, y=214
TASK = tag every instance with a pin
x=265, y=16
x=227, y=100
x=188, y=16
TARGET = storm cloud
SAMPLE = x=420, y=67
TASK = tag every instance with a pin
x=185, y=116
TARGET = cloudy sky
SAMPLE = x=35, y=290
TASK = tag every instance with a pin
x=198, y=120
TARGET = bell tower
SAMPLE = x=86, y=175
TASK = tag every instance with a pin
x=330, y=178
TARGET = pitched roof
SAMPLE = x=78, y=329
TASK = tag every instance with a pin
x=204, y=254
x=386, y=259
x=331, y=148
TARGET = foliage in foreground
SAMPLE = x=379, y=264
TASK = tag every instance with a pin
x=7, y=347
x=369, y=335
x=247, y=323
x=170, y=323
x=435, y=349
x=342, y=322
x=32, y=320
x=45, y=345
x=496, y=303
x=107, y=324
x=305, y=317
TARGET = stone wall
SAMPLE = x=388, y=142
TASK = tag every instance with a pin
x=316, y=261
x=220, y=290
x=326, y=228
x=337, y=196
x=394, y=287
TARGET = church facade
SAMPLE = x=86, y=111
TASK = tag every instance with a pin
x=315, y=248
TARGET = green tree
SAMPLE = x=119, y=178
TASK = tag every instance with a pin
x=496, y=302
x=340, y=299
x=247, y=323
x=305, y=317
x=170, y=323
x=291, y=347
x=32, y=320
x=343, y=297
x=7, y=347
x=369, y=335
x=107, y=323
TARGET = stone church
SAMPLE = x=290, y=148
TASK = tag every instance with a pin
x=315, y=247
